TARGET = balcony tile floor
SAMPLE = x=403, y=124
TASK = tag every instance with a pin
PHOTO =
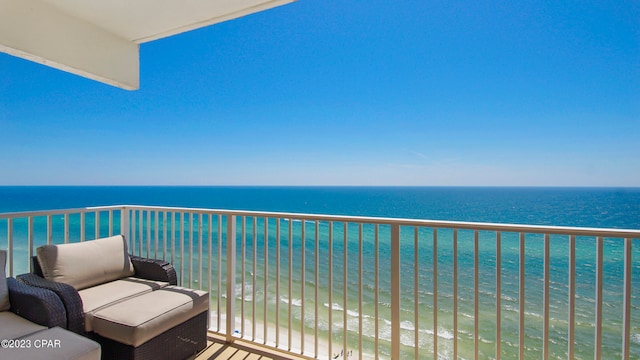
x=238, y=350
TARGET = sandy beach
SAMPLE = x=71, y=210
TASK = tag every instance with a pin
x=279, y=338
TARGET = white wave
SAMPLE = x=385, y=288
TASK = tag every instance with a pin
x=442, y=333
x=353, y=313
x=408, y=337
x=445, y=334
x=511, y=308
x=635, y=338
x=334, y=306
x=533, y=314
x=483, y=340
x=248, y=292
x=407, y=325
x=554, y=341
x=337, y=307
x=294, y=301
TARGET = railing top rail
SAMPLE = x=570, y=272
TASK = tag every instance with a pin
x=460, y=225
x=19, y=214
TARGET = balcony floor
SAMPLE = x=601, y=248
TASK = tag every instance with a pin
x=218, y=349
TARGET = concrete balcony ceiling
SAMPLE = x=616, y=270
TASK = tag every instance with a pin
x=100, y=39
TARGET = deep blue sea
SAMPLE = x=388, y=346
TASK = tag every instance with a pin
x=583, y=207
x=587, y=207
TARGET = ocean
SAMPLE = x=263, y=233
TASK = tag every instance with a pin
x=587, y=207
x=582, y=207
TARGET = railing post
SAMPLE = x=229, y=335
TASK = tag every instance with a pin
x=82, y=226
x=626, y=302
x=231, y=276
x=597, y=353
x=30, y=236
x=66, y=227
x=124, y=226
x=395, y=291
x=572, y=298
x=10, y=246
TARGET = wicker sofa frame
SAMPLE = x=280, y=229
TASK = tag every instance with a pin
x=40, y=306
x=189, y=335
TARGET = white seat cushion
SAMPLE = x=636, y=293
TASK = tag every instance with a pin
x=99, y=296
x=141, y=318
x=54, y=344
x=86, y=264
x=13, y=326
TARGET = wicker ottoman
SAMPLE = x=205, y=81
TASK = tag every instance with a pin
x=170, y=323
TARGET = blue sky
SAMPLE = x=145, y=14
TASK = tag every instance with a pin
x=327, y=92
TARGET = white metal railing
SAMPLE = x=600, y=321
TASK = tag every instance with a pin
x=329, y=286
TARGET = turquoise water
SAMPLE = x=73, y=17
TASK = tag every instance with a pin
x=589, y=207
x=619, y=208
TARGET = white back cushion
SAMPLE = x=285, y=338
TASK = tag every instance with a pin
x=4, y=292
x=86, y=264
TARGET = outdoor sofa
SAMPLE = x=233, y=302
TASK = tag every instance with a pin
x=132, y=306
x=32, y=321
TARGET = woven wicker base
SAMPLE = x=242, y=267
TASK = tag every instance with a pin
x=177, y=343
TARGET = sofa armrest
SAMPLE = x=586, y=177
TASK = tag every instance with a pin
x=150, y=269
x=67, y=294
x=37, y=305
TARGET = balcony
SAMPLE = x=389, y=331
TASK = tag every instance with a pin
x=333, y=287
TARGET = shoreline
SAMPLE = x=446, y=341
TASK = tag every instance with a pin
x=295, y=347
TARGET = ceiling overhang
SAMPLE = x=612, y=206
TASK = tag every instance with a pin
x=100, y=39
